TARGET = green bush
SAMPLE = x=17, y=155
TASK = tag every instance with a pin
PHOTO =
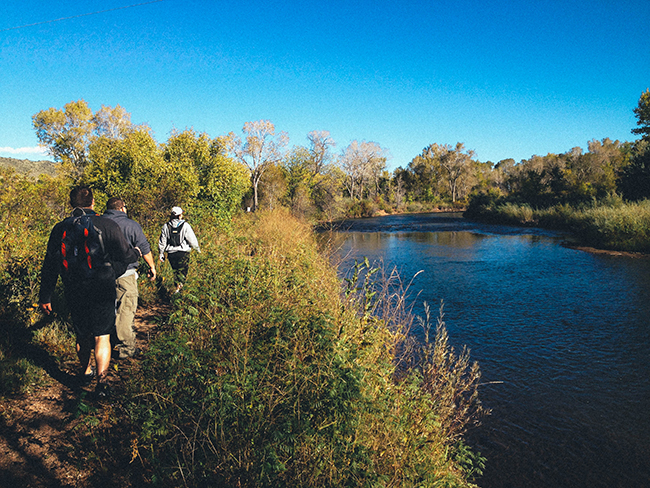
x=265, y=377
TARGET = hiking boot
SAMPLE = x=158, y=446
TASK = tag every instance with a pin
x=136, y=354
x=87, y=378
x=103, y=390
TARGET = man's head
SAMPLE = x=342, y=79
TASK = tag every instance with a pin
x=81, y=197
x=115, y=203
x=177, y=211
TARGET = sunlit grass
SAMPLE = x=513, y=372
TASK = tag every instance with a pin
x=608, y=224
x=268, y=376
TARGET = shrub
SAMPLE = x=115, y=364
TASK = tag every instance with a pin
x=265, y=376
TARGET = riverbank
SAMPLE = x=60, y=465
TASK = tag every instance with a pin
x=261, y=373
x=612, y=225
x=561, y=337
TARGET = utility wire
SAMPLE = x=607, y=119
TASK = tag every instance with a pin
x=80, y=15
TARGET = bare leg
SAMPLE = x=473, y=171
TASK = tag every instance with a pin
x=83, y=353
x=102, y=355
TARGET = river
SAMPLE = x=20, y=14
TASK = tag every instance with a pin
x=562, y=337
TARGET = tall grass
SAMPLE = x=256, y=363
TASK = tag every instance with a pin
x=619, y=227
x=266, y=373
x=267, y=376
x=606, y=224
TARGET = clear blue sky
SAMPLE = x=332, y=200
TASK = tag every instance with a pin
x=508, y=78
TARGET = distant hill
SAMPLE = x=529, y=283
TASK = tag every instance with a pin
x=30, y=168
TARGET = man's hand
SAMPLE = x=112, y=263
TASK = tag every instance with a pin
x=46, y=308
x=152, y=274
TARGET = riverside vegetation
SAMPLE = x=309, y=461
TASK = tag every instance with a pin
x=599, y=195
x=269, y=371
x=610, y=223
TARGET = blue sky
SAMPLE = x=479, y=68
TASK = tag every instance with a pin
x=508, y=78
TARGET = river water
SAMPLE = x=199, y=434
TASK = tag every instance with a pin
x=562, y=337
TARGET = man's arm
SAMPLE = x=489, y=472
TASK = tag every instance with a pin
x=49, y=271
x=148, y=258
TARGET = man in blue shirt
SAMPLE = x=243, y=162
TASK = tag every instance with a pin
x=127, y=283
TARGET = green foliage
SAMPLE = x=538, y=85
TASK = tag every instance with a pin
x=28, y=209
x=642, y=113
x=624, y=227
x=606, y=224
x=264, y=377
x=131, y=168
x=635, y=178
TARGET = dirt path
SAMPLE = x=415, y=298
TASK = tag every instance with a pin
x=44, y=441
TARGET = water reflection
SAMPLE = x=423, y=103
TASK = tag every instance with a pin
x=567, y=333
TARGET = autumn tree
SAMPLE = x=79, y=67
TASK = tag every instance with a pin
x=260, y=148
x=113, y=123
x=363, y=163
x=451, y=164
x=312, y=182
x=67, y=133
x=274, y=187
x=320, y=155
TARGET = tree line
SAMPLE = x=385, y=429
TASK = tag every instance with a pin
x=106, y=150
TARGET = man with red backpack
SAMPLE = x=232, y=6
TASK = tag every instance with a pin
x=88, y=252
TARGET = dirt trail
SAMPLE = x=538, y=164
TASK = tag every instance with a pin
x=43, y=442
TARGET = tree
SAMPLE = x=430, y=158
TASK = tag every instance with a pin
x=503, y=171
x=260, y=149
x=68, y=134
x=298, y=169
x=642, y=113
x=635, y=178
x=363, y=163
x=274, y=186
x=113, y=123
x=320, y=154
x=456, y=164
x=426, y=173
x=131, y=168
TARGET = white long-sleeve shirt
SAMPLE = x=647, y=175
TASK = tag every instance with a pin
x=188, y=238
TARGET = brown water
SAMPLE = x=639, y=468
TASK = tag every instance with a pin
x=562, y=337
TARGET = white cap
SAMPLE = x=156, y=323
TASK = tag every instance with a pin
x=177, y=210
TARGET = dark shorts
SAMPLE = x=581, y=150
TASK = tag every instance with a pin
x=92, y=308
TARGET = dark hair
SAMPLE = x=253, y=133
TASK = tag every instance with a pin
x=81, y=197
x=115, y=203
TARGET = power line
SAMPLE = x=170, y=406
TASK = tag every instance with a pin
x=80, y=15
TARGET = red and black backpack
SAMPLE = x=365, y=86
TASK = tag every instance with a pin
x=82, y=248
